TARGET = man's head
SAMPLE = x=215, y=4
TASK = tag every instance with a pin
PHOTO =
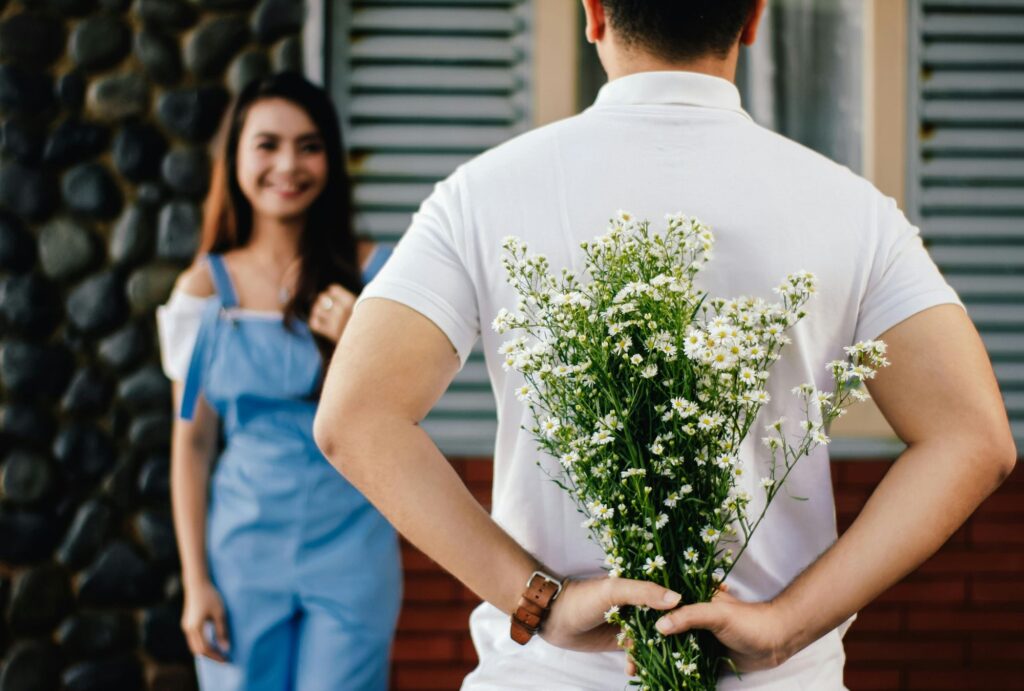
x=638, y=35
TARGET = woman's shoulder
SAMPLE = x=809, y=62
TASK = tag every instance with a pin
x=196, y=281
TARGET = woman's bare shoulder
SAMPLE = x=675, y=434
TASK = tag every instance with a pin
x=196, y=281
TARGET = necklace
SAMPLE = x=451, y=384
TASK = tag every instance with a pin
x=284, y=290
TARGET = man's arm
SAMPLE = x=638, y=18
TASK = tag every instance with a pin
x=391, y=367
x=941, y=398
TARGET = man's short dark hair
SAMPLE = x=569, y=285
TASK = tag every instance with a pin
x=679, y=30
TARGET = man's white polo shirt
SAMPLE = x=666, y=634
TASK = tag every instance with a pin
x=657, y=143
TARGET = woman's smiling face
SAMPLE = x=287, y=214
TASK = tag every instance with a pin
x=281, y=161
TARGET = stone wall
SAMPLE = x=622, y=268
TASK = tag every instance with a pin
x=106, y=108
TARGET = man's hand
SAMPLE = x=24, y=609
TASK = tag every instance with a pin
x=576, y=620
x=752, y=631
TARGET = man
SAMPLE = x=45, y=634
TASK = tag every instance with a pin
x=666, y=134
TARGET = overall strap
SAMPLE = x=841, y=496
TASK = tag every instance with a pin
x=377, y=260
x=222, y=281
x=201, y=353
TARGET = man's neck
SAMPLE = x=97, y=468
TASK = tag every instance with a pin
x=634, y=62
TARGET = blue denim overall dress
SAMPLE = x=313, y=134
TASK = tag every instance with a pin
x=309, y=571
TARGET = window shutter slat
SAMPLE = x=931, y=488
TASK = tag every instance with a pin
x=423, y=86
x=965, y=185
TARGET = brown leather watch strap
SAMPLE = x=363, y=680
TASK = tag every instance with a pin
x=541, y=591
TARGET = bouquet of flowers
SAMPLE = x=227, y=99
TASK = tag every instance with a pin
x=643, y=387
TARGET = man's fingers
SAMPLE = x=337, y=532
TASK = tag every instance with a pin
x=723, y=595
x=704, y=615
x=626, y=591
x=630, y=667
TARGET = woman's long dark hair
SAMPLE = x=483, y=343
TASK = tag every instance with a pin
x=327, y=247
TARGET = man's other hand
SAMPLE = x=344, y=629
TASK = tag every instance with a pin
x=577, y=618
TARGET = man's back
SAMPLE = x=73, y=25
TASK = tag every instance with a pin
x=653, y=144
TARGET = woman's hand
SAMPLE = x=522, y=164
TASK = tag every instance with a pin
x=203, y=604
x=330, y=312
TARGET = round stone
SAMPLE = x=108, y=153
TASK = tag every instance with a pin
x=227, y=4
x=83, y=450
x=178, y=231
x=146, y=389
x=162, y=638
x=156, y=532
x=133, y=237
x=67, y=248
x=93, y=634
x=42, y=597
x=150, y=431
x=275, y=19
x=210, y=48
x=187, y=171
x=123, y=673
x=119, y=96
x=32, y=369
x=97, y=306
x=155, y=479
x=25, y=91
x=26, y=477
x=30, y=305
x=119, y=577
x=91, y=527
x=26, y=423
x=99, y=42
x=172, y=15
x=150, y=286
x=193, y=114
x=160, y=55
x=29, y=536
x=288, y=55
x=17, y=246
x=34, y=39
x=73, y=141
x=126, y=347
x=150, y=194
x=247, y=68
x=67, y=8
x=138, y=149
x=27, y=191
x=31, y=664
x=22, y=140
x=89, y=392
x=119, y=485
x=90, y=189
x=71, y=91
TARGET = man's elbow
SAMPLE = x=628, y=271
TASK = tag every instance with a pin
x=997, y=450
x=331, y=436
x=1006, y=457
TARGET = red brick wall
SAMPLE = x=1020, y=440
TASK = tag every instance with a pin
x=956, y=623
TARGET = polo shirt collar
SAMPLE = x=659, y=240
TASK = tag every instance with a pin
x=671, y=88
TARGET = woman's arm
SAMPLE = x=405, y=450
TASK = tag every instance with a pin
x=193, y=445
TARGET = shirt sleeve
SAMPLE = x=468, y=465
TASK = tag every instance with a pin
x=428, y=271
x=903, y=279
x=178, y=326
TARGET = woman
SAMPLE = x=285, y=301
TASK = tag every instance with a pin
x=291, y=578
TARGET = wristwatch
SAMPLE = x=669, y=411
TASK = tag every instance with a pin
x=541, y=591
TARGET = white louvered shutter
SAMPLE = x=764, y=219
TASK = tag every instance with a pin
x=422, y=86
x=966, y=166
